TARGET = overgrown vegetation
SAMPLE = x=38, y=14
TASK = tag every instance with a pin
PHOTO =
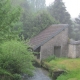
x=35, y=17
x=32, y=22
x=71, y=75
x=15, y=59
x=70, y=66
x=9, y=20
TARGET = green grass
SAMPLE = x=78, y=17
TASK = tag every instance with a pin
x=71, y=75
x=71, y=66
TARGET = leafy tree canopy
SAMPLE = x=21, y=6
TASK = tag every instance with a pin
x=9, y=18
x=59, y=12
x=39, y=22
x=37, y=4
x=76, y=29
x=34, y=22
x=77, y=20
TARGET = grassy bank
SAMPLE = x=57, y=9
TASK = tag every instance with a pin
x=70, y=66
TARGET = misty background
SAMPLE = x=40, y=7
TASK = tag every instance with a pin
x=36, y=16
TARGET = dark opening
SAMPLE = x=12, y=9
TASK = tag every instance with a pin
x=37, y=52
x=38, y=49
x=57, y=51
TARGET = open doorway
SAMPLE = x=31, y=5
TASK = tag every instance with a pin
x=57, y=51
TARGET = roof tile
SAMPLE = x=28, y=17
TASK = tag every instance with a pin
x=48, y=32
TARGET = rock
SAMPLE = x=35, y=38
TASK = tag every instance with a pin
x=57, y=73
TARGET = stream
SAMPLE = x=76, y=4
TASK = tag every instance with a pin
x=39, y=74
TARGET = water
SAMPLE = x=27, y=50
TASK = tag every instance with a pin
x=39, y=74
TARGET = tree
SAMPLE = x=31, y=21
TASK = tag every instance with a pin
x=37, y=23
x=26, y=16
x=75, y=33
x=9, y=18
x=77, y=20
x=76, y=29
x=15, y=60
x=26, y=19
x=59, y=12
x=34, y=22
x=42, y=20
x=37, y=4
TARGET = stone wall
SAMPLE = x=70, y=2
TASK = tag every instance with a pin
x=59, y=40
x=77, y=51
x=74, y=49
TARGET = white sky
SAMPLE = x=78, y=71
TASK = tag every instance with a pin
x=72, y=6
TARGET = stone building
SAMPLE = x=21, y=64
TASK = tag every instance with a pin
x=51, y=41
x=74, y=49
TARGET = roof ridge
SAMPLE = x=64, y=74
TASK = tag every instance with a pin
x=49, y=27
x=53, y=34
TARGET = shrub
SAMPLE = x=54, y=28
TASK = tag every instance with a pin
x=5, y=75
x=17, y=77
x=15, y=58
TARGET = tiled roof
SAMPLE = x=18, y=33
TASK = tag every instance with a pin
x=46, y=35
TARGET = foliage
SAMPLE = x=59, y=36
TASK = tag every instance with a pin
x=37, y=4
x=17, y=77
x=76, y=29
x=26, y=16
x=7, y=75
x=15, y=58
x=3, y=72
x=75, y=33
x=9, y=18
x=59, y=12
x=35, y=23
x=27, y=22
x=77, y=20
x=71, y=75
x=71, y=66
x=41, y=21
